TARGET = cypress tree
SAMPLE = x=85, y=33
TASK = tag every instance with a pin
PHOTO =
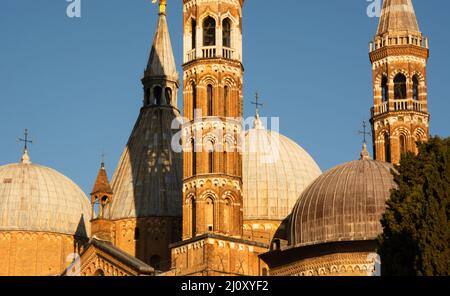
x=416, y=224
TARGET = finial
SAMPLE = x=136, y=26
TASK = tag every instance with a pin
x=258, y=123
x=25, y=157
x=162, y=6
x=364, y=153
x=103, y=160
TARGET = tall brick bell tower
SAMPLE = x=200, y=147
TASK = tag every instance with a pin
x=399, y=55
x=212, y=163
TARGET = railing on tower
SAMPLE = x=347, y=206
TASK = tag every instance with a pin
x=398, y=40
x=399, y=105
x=191, y=55
x=210, y=52
x=228, y=53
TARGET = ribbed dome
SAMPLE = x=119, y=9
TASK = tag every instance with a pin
x=275, y=172
x=37, y=198
x=344, y=204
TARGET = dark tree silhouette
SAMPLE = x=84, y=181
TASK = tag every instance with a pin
x=416, y=237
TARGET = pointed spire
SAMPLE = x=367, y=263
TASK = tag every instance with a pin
x=398, y=16
x=162, y=61
x=102, y=184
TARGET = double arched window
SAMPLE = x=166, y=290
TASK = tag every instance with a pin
x=194, y=33
x=415, y=81
x=210, y=157
x=384, y=89
x=194, y=158
x=226, y=94
x=400, y=87
x=209, y=214
x=193, y=209
x=226, y=32
x=387, y=148
x=194, y=99
x=209, y=31
x=403, y=147
x=209, y=102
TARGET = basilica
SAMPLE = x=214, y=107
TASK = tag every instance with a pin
x=236, y=199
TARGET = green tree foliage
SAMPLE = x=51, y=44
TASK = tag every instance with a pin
x=416, y=237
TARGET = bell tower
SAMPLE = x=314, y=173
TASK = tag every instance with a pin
x=399, y=55
x=212, y=161
x=213, y=78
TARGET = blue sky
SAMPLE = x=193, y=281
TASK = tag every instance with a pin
x=75, y=83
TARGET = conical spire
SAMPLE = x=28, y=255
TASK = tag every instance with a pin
x=162, y=61
x=102, y=184
x=398, y=16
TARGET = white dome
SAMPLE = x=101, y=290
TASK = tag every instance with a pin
x=37, y=198
x=276, y=170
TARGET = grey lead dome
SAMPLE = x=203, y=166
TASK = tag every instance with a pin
x=344, y=204
x=38, y=198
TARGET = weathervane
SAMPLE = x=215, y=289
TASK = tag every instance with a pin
x=162, y=6
x=25, y=140
x=257, y=104
x=364, y=132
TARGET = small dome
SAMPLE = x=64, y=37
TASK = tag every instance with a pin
x=344, y=204
x=275, y=172
x=37, y=198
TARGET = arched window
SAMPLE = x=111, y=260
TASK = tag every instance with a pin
x=209, y=214
x=226, y=93
x=400, y=87
x=384, y=89
x=157, y=92
x=147, y=96
x=415, y=88
x=225, y=162
x=194, y=158
x=209, y=32
x=402, y=140
x=210, y=162
x=209, y=98
x=193, y=217
x=155, y=262
x=194, y=99
x=209, y=150
x=387, y=148
x=227, y=215
x=169, y=95
x=226, y=29
x=194, y=33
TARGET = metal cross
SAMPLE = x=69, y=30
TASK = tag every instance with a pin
x=364, y=132
x=25, y=139
x=257, y=103
x=103, y=158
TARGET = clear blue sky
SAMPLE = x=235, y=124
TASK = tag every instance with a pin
x=75, y=83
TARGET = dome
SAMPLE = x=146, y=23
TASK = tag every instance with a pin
x=344, y=204
x=40, y=199
x=276, y=170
